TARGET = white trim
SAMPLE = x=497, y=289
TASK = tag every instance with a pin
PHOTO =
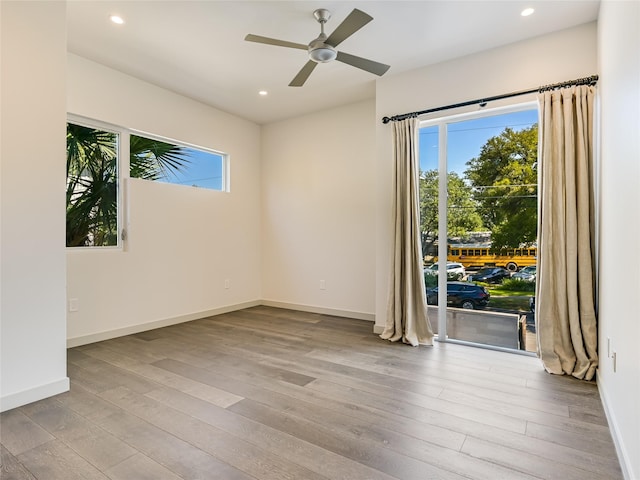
x=226, y=172
x=624, y=457
x=91, y=123
x=122, y=193
x=443, y=223
x=378, y=329
x=165, y=322
x=370, y=317
x=17, y=399
x=596, y=171
x=121, y=168
x=162, y=138
x=442, y=122
x=223, y=156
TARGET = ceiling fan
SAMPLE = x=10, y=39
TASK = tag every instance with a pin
x=322, y=49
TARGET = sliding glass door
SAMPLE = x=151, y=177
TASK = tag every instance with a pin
x=478, y=199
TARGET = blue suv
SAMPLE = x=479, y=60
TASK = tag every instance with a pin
x=461, y=295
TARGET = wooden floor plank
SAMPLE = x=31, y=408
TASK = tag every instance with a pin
x=525, y=462
x=176, y=454
x=55, y=460
x=11, y=468
x=308, y=455
x=89, y=441
x=140, y=467
x=19, y=433
x=228, y=448
x=352, y=429
x=590, y=444
x=381, y=459
x=430, y=407
x=211, y=394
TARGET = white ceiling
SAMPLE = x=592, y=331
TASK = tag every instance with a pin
x=197, y=48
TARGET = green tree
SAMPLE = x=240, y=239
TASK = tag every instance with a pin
x=504, y=179
x=91, y=187
x=462, y=216
x=92, y=179
x=152, y=159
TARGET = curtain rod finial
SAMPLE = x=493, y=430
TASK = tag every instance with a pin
x=385, y=120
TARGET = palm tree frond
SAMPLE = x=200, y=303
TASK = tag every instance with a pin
x=153, y=159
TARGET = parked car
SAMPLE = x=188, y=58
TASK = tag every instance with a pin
x=462, y=295
x=528, y=274
x=455, y=271
x=490, y=275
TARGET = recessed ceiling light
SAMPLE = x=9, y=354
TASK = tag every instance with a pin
x=116, y=19
x=263, y=92
x=527, y=11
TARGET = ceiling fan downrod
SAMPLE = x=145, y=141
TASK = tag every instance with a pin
x=319, y=51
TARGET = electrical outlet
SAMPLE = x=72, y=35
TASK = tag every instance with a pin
x=323, y=285
x=74, y=304
x=227, y=284
x=614, y=356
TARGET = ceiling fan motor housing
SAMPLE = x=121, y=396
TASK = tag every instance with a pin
x=320, y=52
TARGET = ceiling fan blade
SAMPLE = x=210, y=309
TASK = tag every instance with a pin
x=303, y=74
x=274, y=41
x=350, y=25
x=362, y=63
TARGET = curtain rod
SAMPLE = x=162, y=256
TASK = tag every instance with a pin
x=592, y=80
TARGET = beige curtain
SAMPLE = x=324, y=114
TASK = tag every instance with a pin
x=407, y=307
x=565, y=293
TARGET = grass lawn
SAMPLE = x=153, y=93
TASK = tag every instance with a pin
x=502, y=297
x=515, y=302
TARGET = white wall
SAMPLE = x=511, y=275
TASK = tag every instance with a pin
x=619, y=87
x=32, y=200
x=557, y=57
x=183, y=242
x=318, y=211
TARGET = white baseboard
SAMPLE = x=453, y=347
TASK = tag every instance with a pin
x=623, y=455
x=378, y=329
x=15, y=400
x=165, y=322
x=143, y=327
x=325, y=311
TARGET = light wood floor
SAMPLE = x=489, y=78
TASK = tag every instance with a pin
x=266, y=393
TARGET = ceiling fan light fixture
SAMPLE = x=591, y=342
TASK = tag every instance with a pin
x=322, y=54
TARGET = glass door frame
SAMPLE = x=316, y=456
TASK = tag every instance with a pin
x=442, y=124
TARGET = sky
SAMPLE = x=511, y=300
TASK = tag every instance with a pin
x=465, y=139
x=205, y=170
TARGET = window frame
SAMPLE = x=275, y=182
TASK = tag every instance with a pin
x=160, y=138
x=122, y=168
x=123, y=174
